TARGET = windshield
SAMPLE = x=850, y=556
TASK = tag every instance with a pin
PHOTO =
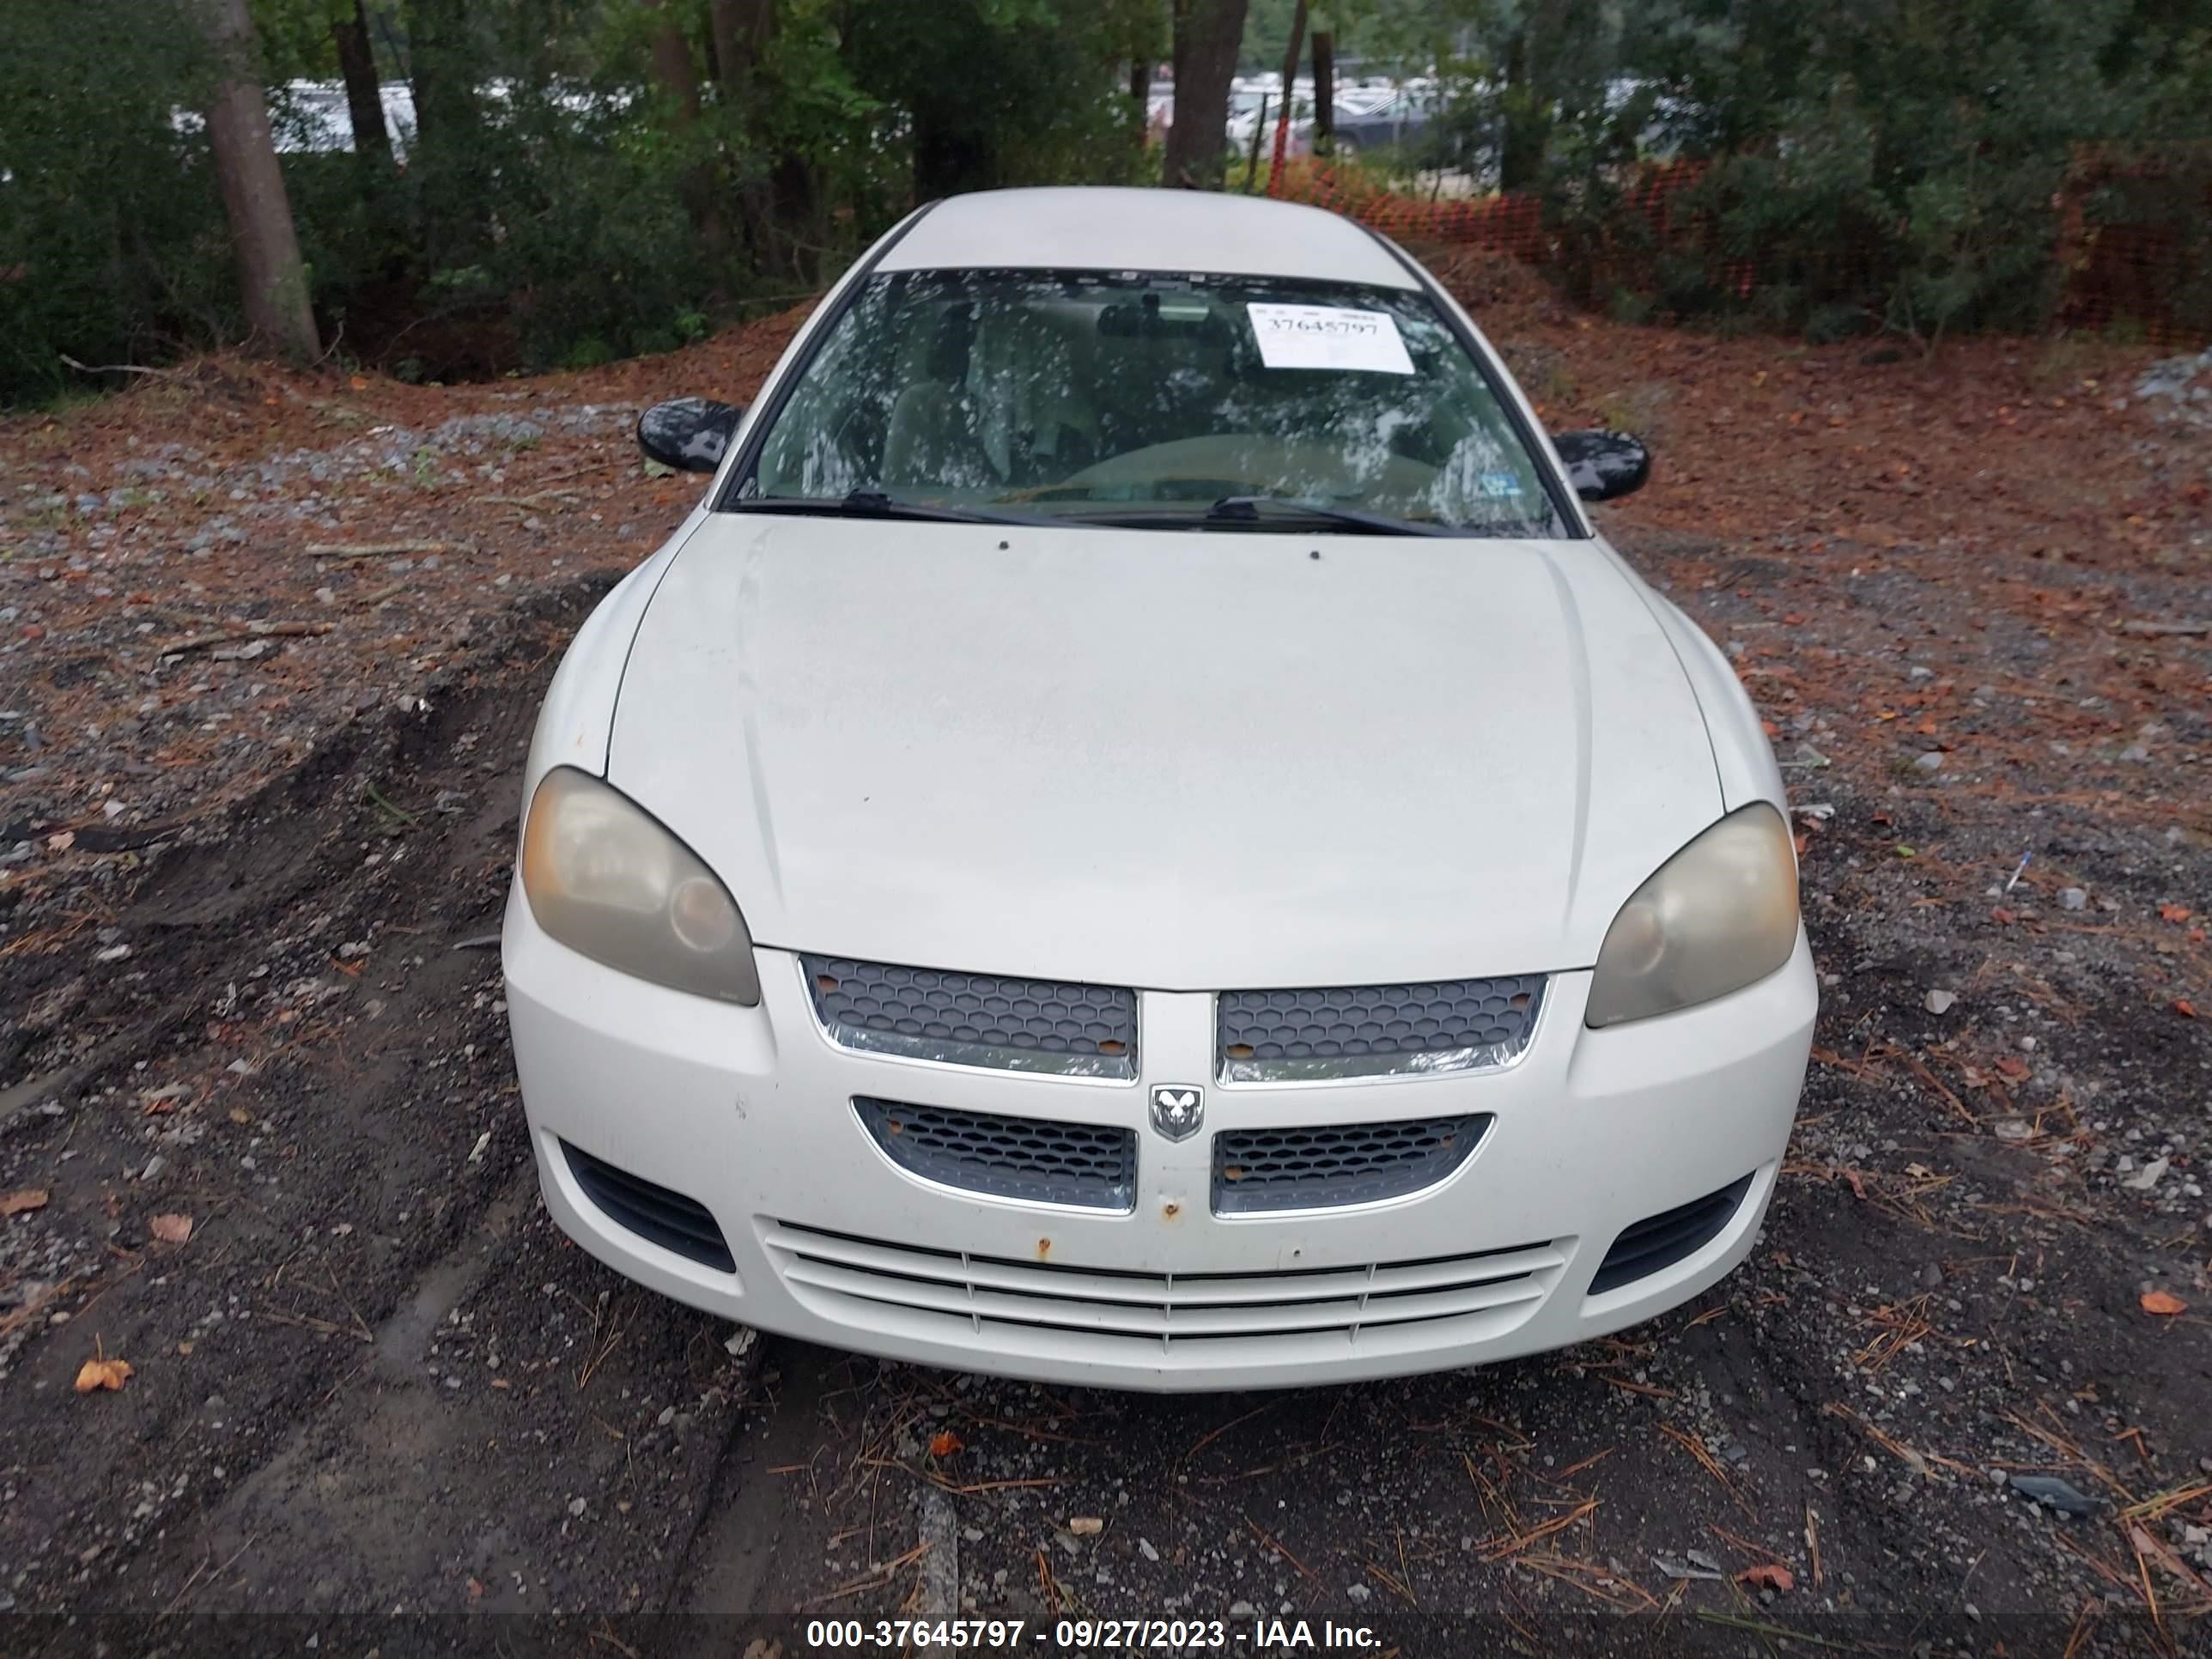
x=1147, y=399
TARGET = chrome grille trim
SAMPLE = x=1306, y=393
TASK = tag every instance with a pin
x=1083, y=1166
x=1052, y=1027
x=1420, y=1029
x=1268, y=1171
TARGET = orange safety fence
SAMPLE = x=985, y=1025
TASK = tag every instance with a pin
x=2147, y=276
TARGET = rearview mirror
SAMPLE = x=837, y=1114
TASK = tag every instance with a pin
x=688, y=433
x=1603, y=467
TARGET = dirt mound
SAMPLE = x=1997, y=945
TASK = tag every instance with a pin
x=1486, y=278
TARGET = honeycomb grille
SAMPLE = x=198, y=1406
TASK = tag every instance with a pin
x=976, y=1020
x=1256, y=1170
x=1084, y=1164
x=1371, y=1030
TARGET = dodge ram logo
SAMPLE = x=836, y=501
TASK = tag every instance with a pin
x=1177, y=1110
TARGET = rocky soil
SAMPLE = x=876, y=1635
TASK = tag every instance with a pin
x=259, y=1140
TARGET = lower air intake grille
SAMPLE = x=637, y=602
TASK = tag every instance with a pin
x=1066, y=1311
x=1085, y=1164
x=667, y=1218
x=976, y=1020
x=1375, y=1031
x=1660, y=1240
x=1256, y=1170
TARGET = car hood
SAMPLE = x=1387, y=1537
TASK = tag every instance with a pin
x=1180, y=761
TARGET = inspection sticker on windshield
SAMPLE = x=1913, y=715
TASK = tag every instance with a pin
x=1330, y=337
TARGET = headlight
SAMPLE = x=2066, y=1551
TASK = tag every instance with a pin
x=603, y=877
x=1720, y=914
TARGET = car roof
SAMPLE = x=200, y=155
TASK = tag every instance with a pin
x=1103, y=227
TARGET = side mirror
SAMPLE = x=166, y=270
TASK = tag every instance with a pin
x=688, y=433
x=1603, y=467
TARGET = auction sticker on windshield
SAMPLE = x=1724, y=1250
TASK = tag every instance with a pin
x=1329, y=337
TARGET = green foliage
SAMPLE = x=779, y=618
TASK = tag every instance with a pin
x=1904, y=168
x=1002, y=92
x=1917, y=167
x=110, y=237
x=558, y=203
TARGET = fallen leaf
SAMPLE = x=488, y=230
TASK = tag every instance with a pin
x=1086, y=1526
x=160, y=1101
x=1858, y=1183
x=944, y=1443
x=185, y=1349
x=2015, y=1069
x=2184, y=1007
x=171, y=1229
x=2163, y=1303
x=28, y=1197
x=61, y=843
x=1768, y=1576
x=2173, y=912
x=98, y=1374
x=240, y=1115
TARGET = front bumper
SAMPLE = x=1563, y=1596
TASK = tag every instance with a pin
x=748, y=1112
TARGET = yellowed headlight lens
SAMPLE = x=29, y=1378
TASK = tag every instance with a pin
x=606, y=879
x=1720, y=914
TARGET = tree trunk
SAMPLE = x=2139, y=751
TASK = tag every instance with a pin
x=671, y=63
x=1520, y=143
x=1207, y=34
x=364, y=97
x=797, y=195
x=277, y=314
x=442, y=70
x=673, y=66
x=741, y=30
x=1140, y=96
x=1324, y=71
x=953, y=152
x=441, y=63
x=1289, y=94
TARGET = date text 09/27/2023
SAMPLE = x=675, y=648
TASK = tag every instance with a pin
x=1088, y=1635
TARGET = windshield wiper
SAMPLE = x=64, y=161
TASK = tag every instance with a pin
x=875, y=504
x=1253, y=509
x=1248, y=509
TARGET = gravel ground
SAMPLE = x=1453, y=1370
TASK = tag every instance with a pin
x=1959, y=1396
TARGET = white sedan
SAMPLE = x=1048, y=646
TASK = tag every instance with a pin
x=1138, y=836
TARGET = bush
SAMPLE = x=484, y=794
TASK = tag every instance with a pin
x=1905, y=168
x=112, y=247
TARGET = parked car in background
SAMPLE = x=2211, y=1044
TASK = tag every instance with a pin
x=1387, y=119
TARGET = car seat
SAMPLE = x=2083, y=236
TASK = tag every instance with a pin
x=934, y=438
